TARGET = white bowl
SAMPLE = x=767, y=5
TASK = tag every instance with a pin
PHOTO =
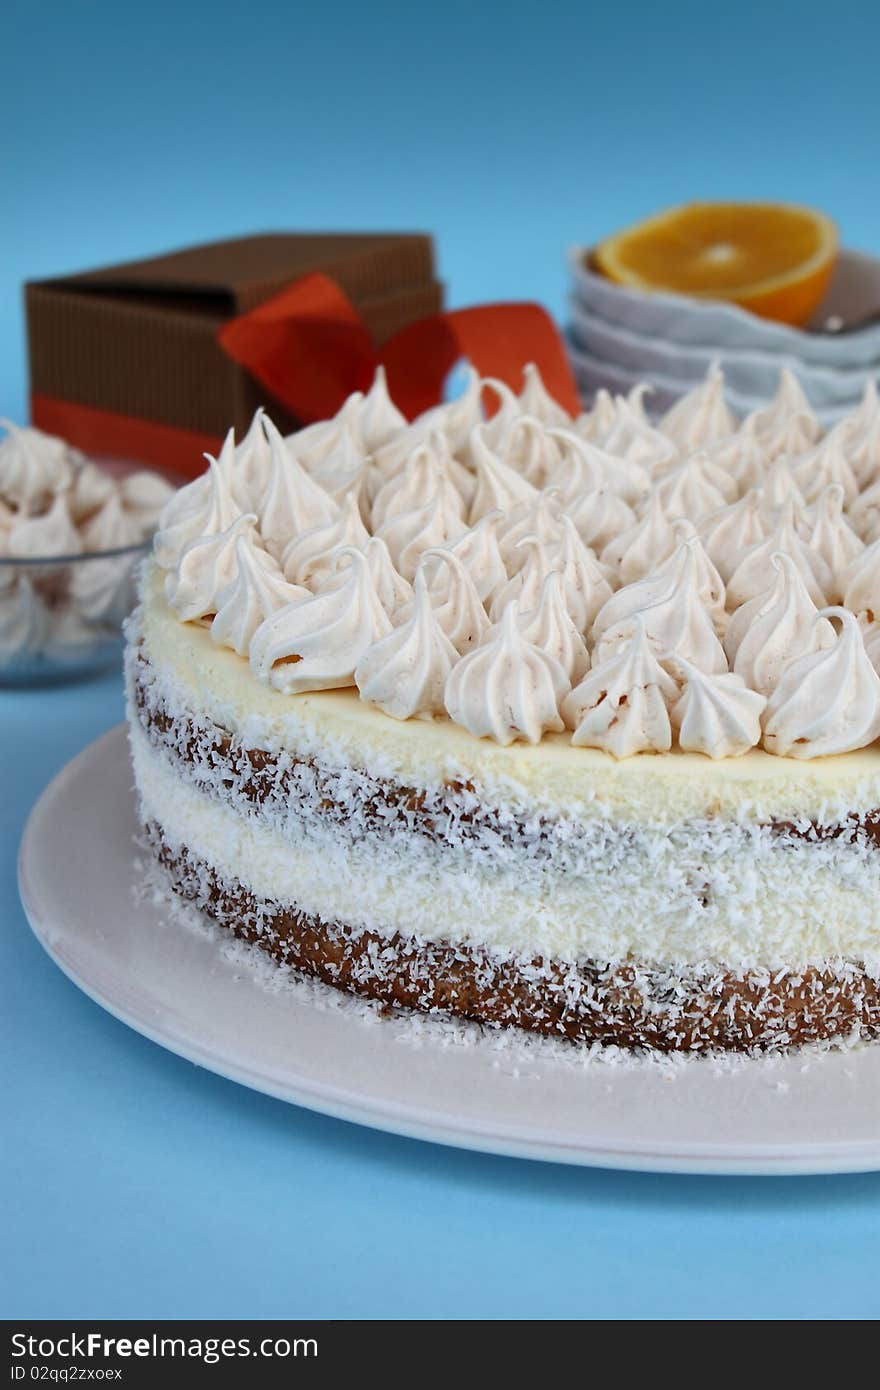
x=593, y=373
x=747, y=374
x=854, y=295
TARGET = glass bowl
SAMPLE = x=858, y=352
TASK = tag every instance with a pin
x=61, y=617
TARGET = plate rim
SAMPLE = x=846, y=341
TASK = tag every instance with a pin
x=419, y=1122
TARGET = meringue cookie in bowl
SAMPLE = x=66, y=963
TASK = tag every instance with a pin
x=91, y=487
x=34, y=467
x=71, y=533
x=50, y=534
x=102, y=590
x=24, y=622
x=70, y=638
x=111, y=527
x=142, y=493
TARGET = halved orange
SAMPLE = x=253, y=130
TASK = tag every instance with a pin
x=773, y=258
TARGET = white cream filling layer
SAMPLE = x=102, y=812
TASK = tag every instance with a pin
x=336, y=728
x=729, y=894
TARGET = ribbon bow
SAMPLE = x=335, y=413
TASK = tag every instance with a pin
x=310, y=348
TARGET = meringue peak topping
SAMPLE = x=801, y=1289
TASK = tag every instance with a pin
x=379, y=420
x=550, y=626
x=405, y=672
x=717, y=715
x=828, y=701
x=770, y=631
x=702, y=416
x=535, y=399
x=291, y=501
x=622, y=705
x=257, y=589
x=316, y=642
x=507, y=688
x=499, y=487
x=706, y=529
x=204, y=569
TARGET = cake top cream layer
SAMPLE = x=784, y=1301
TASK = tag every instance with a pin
x=701, y=582
x=212, y=683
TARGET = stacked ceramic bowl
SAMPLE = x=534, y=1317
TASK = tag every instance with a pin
x=620, y=336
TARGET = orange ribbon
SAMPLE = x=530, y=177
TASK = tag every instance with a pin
x=310, y=348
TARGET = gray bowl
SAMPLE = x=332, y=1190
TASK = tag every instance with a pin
x=852, y=304
x=595, y=373
x=747, y=375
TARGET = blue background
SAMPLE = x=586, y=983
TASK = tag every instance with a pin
x=139, y=1186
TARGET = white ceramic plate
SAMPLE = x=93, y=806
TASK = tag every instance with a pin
x=746, y=374
x=854, y=293
x=593, y=372
x=812, y=1113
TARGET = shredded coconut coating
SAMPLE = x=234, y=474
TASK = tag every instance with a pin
x=697, y=1009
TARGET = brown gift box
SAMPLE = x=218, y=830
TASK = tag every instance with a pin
x=124, y=361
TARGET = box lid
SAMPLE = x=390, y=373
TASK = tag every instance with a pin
x=234, y=276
